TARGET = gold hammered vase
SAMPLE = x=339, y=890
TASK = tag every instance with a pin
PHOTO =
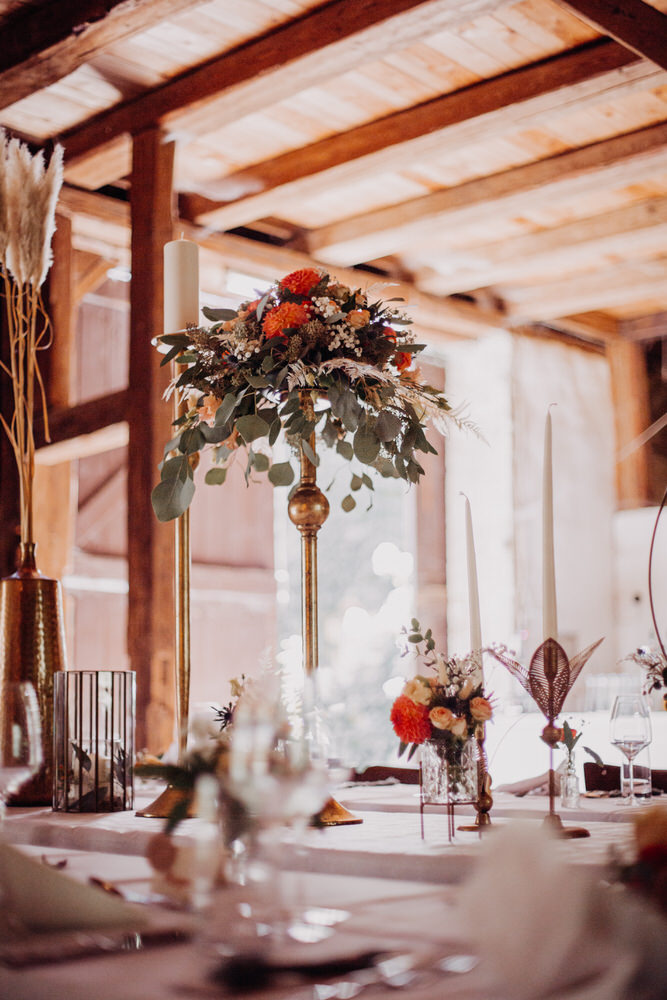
x=32, y=648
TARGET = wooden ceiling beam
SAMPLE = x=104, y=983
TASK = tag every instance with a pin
x=636, y=25
x=633, y=230
x=442, y=318
x=623, y=160
x=42, y=44
x=645, y=328
x=518, y=99
x=608, y=288
x=307, y=51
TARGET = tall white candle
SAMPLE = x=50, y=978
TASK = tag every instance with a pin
x=549, y=618
x=473, y=591
x=181, y=285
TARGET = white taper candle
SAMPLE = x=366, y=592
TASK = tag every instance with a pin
x=473, y=591
x=181, y=285
x=549, y=616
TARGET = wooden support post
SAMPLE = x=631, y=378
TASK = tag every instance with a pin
x=150, y=544
x=629, y=385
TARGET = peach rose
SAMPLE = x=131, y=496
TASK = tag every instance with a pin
x=459, y=728
x=209, y=408
x=417, y=691
x=358, y=317
x=441, y=717
x=480, y=709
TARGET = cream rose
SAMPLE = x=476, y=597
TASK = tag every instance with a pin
x=443, y=673
x=417, y=691
x=480, y=709
x=466, y=689
x=459, y=728
x=441, y=717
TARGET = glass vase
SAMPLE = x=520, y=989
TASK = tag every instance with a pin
x=449, y=771
x=569, y=786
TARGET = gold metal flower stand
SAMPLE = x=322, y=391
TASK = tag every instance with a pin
x=308, y=510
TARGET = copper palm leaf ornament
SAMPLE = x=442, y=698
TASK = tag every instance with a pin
x=548, y=681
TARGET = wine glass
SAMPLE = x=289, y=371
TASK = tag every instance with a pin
x=630, y=730
x=20, y=739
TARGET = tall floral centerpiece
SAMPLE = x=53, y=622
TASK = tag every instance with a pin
x=310, y=354
x=440, y=710
x=310, y=358
x=32, y=644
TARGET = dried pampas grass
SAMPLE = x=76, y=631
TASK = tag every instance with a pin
x=28, y=195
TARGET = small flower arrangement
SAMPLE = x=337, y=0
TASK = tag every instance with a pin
x=446, y=707
x=261, y=371
x=654, y=665
x=568, y=740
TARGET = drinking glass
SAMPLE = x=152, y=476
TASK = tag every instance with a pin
x=20, y=738
x=630, y=730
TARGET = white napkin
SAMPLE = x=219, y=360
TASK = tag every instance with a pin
x=38, y=898
x=545, y=929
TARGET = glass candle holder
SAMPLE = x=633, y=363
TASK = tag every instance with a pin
x=94, y=712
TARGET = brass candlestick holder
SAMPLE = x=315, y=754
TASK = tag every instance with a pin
x=170, y=797
x=308, y=509
x=548, y=681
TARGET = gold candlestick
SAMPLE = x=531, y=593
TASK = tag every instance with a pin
x=170, y=797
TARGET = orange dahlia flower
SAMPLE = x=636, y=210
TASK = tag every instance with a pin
x=402, y=360
x=410, y=721
x=300, y=282
x=285, y=317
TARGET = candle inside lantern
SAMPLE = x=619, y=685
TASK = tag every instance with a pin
x=473, y=592
x=181, y=285
x=549, y=617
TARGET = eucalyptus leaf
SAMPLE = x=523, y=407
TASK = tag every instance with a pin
x=257, y=381
x=226, y=408
x=310, y=454
x=387, y=426
x=215, y=476
x=345, y=450
x=252, y=427
x=171, y=497
x=355, y=483
x=367, y=481
x=366, y=445
x=192, y=440
x=260, y=461
x=274, y=431
x=348, y=503
x=281, y=474
x=176, y=468
x=218, y=315
x=170, y=355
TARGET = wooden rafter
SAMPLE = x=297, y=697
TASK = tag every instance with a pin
x=43, y=44
x=517, y=99
x=623, y=160
x=637, y=228
x=637, y=25
x=605, y=289
x=304, y=52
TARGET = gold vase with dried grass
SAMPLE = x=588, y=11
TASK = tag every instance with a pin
x=32, y=640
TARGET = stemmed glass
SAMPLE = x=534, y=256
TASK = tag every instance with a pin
x=630, y=730
x=20, y=738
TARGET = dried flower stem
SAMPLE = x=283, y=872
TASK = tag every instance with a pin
x=28, y=328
